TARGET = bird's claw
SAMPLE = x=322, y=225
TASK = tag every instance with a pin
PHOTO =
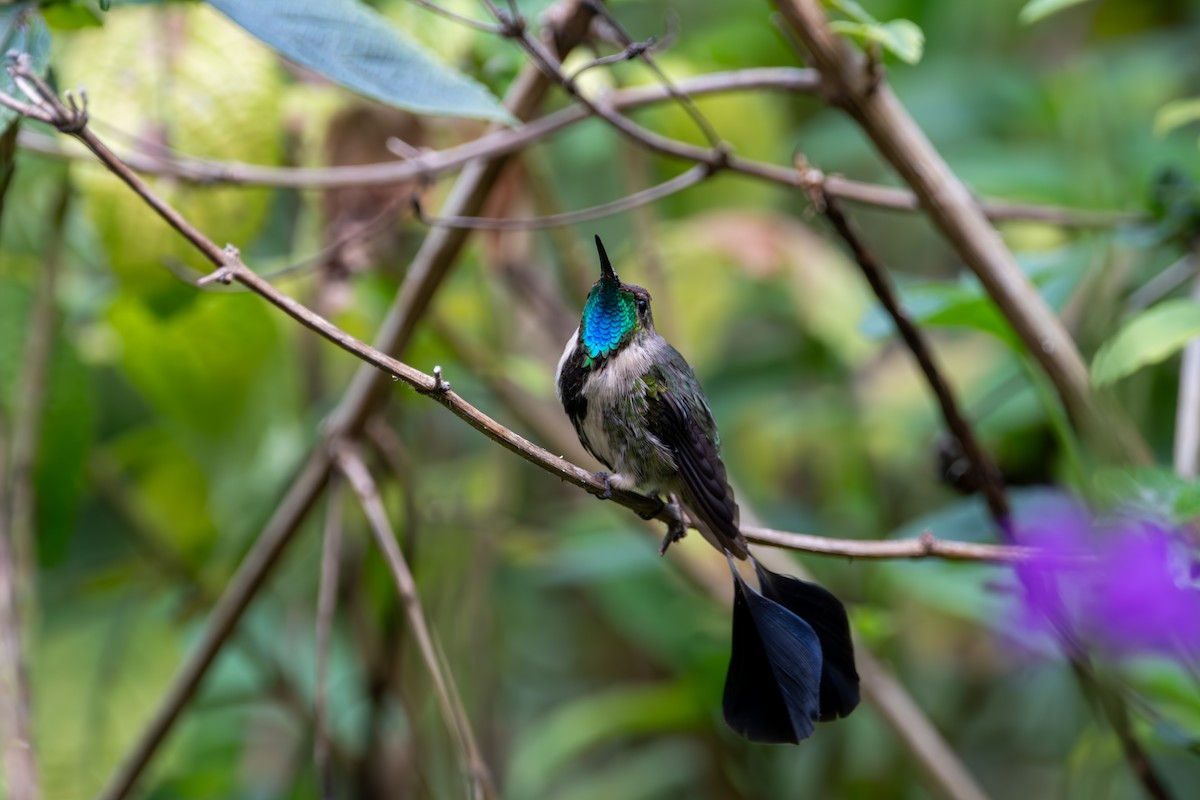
x=608, y=487
x=649, y=515
x=676, y=528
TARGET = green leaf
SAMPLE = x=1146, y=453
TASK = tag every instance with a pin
x=23, y=31
x=900, y=37
x=947, y=305
x=356, y=47
x=1146, y=339
x=1036, y=10
x=1176, y=114
x=852, y=10
x=72, y=16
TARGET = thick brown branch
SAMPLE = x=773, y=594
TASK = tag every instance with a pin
x=849, y=83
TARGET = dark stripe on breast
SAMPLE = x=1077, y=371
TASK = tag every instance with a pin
x=570, y=388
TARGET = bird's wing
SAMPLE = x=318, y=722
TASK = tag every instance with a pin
x=678, y=416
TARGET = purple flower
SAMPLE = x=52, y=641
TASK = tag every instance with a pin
x=1123, y=586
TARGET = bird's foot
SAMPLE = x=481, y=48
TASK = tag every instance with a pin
x=661, y=504
x=608, y=485
x=676, y=528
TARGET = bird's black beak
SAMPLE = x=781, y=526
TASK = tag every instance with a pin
x=607, y=274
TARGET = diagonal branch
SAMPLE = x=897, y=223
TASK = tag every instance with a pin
x=351, y=465
x=851, y=85
x=986, y=476
x=327, y=594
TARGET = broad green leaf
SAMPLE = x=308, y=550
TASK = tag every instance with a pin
x=23, y=31
x=900, y=37
x=1036, y=10
x=1146, y=339
x=1176, y=114
x=356, y=47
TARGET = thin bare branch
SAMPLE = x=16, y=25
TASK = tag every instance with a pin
x=388, y=445
x=430, y=164
x=986, y=477
x=327, y=594
x=655, y=193
x=632, y=50
x=478, y=25
x=924, y=546
x=445, y=689
x=996, y=210
x=30, y=404
x=681, y=96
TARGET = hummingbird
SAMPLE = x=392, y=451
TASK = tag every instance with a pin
x=638, y=408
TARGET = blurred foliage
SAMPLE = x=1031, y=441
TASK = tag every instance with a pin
x=175, y=418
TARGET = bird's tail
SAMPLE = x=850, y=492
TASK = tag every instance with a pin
x=792, y=661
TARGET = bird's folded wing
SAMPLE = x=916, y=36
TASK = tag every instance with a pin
x=682, y=422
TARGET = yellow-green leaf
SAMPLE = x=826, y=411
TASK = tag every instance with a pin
x=1036, y=10
x=900, y=37
x=1148, y=338
x=1176, y=114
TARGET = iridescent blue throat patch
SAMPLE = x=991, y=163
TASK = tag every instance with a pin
x=608, y=318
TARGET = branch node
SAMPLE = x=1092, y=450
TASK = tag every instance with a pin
x=721, y=154
x=928, y=542
x=224, y=274
x=676, y=528
x=512, y=26
x=439, y=386
x=812, y=181
x=50, y=109
x=874, y=70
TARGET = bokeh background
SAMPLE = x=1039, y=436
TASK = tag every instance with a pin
x=175, y=418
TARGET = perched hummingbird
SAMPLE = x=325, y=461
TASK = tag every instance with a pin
x=638, y=408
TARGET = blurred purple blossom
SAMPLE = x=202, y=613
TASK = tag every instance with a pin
x=1126, y=585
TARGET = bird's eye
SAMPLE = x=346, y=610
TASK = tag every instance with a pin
x=642, y=305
